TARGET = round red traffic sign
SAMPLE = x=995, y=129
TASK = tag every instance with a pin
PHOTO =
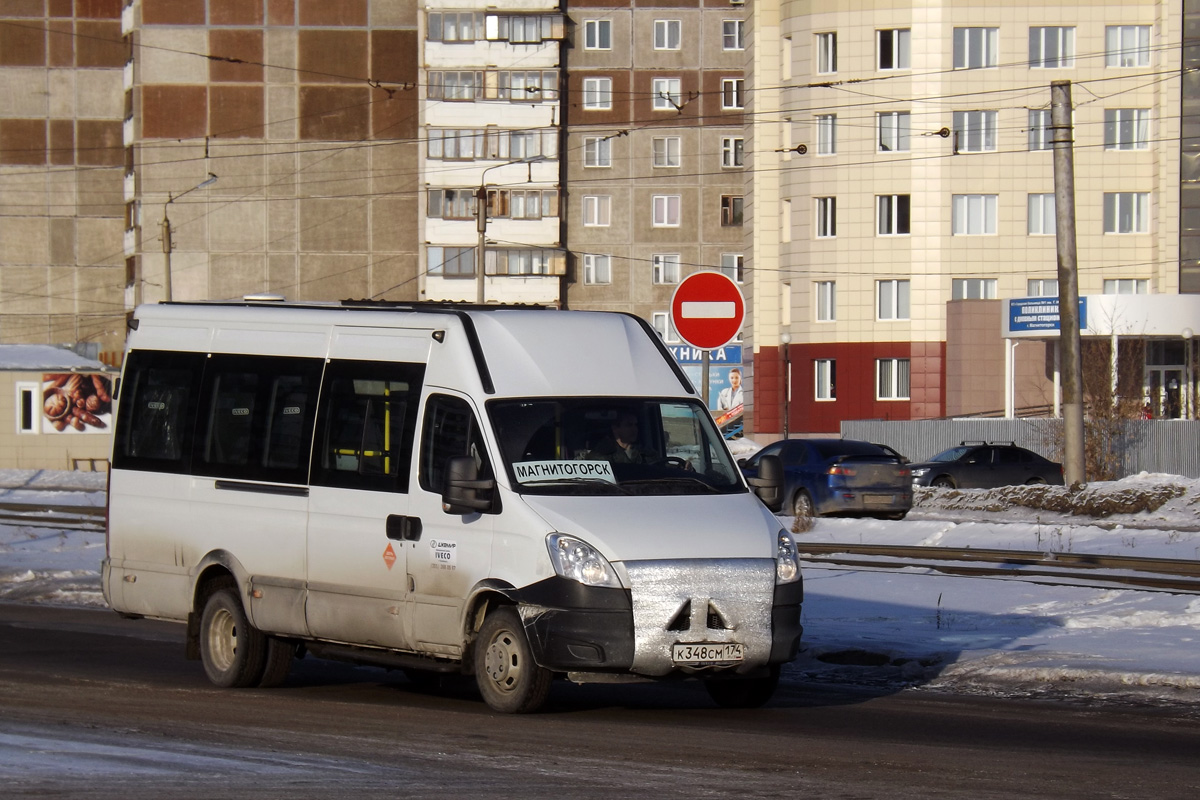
x=707, y=310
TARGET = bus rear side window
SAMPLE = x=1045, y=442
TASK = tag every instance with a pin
x=157, y=413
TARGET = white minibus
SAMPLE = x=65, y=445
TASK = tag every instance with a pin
x=518, y=494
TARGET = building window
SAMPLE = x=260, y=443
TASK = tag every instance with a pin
x=825, y=294
x=825, y=379
x=826, y=217
x=597, y=93
x=1040, y=137
x=597, y=34
x=29, y=407
x=451, y=204
x=826, y=134
x=1041, y=287
x=733, y=34
x=597, y=269
x=892, y=299
x=667, y=34
x=893, y=131
x=665, y=151
x=1126, y=128
x=893, y=49
x=666, y=267
x=974, y=131
x=1127, y=46
x=975, y=48
x=732, y=208
x=454, y=26
x=661, y=321
x=668, y=94
x=731, y=265
x=522, y=203
x=597, y=211
x=666, y=210
x=973, y=289
x=892, y=214
x=461, y=85
x=1051, y=48
x=1127, y=286
x=1041, y=219
x=891, y=378
x=733, y=93
x=733, y=151
x=1126, y=212
x=451, y=262
x=973, y=214
x=524, y=261
x=597, y=151
x=826, y=53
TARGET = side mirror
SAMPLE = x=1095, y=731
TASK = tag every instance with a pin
x=769, y=483
x=462, y=484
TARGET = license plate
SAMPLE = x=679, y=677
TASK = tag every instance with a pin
x=879, y=499
x=706, y=653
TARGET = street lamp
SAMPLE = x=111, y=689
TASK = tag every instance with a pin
x=166, y=233
x=481, y=217
x=785, y=339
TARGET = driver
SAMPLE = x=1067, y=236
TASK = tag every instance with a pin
x=621, y=445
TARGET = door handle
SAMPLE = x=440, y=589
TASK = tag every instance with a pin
x=403, y=529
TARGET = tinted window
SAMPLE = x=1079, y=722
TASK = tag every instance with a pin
x=849, y=447
x=157, y=411
x=450, y=430
x=256, y=418
x=367, y=423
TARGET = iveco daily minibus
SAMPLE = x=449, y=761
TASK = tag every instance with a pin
x=517, y=494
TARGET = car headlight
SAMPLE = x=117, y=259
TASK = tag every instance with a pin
x=919, y=472
x=787, y=562
x=576, y=559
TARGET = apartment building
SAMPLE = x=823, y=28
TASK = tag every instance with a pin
x=912, y=145
x=491, y=120
x=655, y=150
x=62, y=262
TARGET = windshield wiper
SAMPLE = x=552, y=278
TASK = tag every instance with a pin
x=576, y=482
x=681, y=479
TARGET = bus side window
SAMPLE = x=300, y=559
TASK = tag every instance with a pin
x=366, y=425
x=450, y=430
x=156, y=417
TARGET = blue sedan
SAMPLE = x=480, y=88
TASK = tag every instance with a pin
x=839, y=477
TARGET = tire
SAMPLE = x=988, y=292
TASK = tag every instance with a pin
x=234, y=652
x=743, y=693
x=1036, y=481
x=278, y=662
x=510, y=681
x=802, y=505
x=942, y=482
x=899, y=515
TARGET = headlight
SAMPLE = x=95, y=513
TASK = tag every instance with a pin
x=917, y=473
x=787, y=563
x=579, y=561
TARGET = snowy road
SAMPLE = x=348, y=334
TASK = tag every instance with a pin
x=92, y=705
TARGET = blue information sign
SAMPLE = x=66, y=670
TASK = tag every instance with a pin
x=1039, y=314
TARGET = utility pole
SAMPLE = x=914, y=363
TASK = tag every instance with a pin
x=1068, y=282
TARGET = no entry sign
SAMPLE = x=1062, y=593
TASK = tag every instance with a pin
x=707, y=310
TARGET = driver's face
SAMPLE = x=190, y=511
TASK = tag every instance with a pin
x=625, y=429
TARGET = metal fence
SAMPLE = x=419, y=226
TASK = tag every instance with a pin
x=1169, y=446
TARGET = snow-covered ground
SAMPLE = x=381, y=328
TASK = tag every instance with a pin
x=887, y=628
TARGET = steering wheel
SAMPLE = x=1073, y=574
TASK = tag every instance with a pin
x=673, y=461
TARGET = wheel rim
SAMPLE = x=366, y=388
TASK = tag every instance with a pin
x=222, y=639
x=502, y=662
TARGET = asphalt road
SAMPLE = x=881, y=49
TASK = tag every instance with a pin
x=93, y=705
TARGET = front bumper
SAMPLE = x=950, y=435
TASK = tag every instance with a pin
x=581, y=629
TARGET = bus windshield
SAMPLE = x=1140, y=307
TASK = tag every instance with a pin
x=613, y=446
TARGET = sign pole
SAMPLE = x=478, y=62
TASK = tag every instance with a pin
x=704, y=391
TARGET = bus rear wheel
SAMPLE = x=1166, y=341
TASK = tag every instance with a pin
x=233, y=651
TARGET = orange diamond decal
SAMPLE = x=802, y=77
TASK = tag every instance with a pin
x=389, y=556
